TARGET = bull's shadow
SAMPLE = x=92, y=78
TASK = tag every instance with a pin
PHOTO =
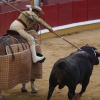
x=72, y=70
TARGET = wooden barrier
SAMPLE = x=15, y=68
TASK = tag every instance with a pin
x=65, y=13
x=93, y=9
x=51, y=15
x=80, y=11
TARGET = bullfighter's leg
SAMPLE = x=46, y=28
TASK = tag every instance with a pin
x=24, y=89
x=34, y=90
x=84, y=85
x=51, y=89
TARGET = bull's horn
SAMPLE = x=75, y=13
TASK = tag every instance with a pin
x=97, y=52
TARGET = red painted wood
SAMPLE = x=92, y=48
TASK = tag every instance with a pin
x=51, y=15
x=3, y=24
x=62, y=1
x=48, y=2
x=80, y=11
x=93, y=9
x=11, y=16
x=80, y=17
x=65, y=13
x=93, y=3
x=19, y=5
x=4, y=8
x=41, y=27
x=6, y=19
x=52, y=2
x=93, y=13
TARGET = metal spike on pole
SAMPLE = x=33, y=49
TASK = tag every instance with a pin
x=66, y=40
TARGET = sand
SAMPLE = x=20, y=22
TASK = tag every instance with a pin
x=54, y=49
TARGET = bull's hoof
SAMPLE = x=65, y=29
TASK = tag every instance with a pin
x=23, y=90
x=34, y=90
x=76, y=97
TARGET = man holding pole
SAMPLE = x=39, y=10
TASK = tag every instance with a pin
x=25, y=22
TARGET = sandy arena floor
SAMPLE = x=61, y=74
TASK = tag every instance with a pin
x=53, y=49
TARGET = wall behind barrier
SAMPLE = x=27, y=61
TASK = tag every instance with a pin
x=65, y=13
x=6, y=19
x=93, y=9
x=80, y=11
x=51, y=15
x=58, y=14
x=4, y=8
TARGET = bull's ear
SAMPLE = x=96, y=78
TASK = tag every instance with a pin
x=97, y=53
x=86, y=45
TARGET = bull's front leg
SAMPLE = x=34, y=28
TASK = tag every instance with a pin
x=71, y=92
x=84, y=85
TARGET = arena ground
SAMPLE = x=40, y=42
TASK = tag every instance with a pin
x=53, y=49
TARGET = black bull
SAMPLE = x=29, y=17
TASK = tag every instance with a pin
x=72, y=70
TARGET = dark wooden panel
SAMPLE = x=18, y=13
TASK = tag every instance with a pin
x=65, y=13
x=51, y=15
x=80, y=12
